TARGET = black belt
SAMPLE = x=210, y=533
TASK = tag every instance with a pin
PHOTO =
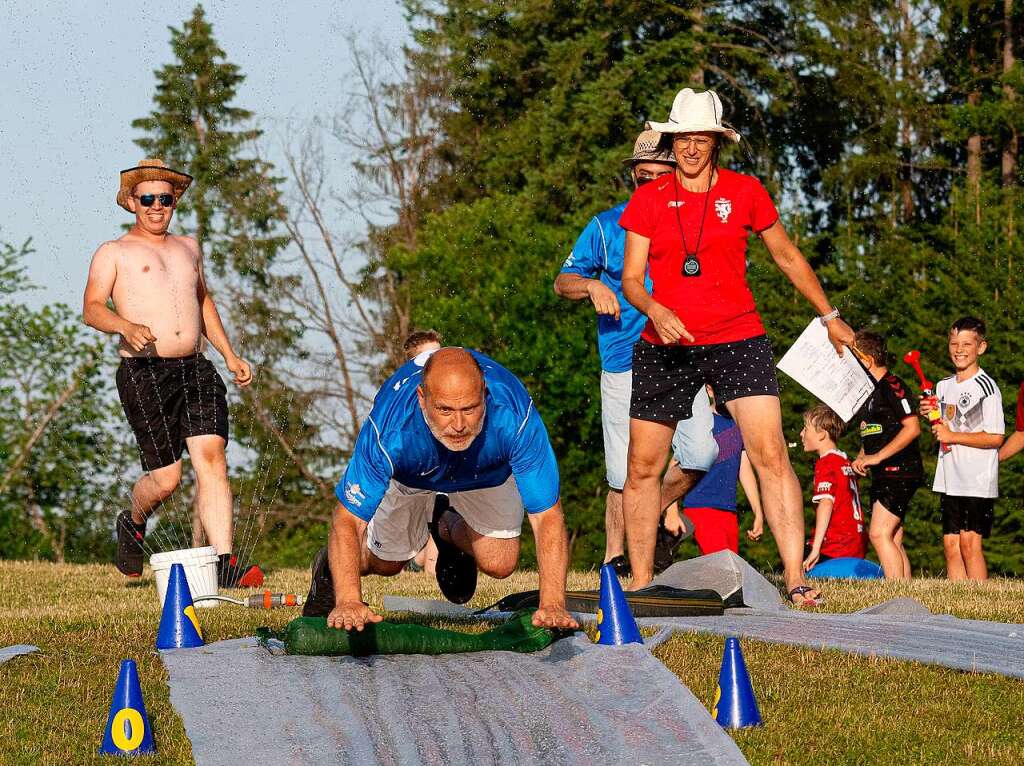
x=157, y=361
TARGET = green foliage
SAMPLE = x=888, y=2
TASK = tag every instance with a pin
x=60, y=460
x=855, y=115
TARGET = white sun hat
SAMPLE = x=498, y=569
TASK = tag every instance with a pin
x=696, y=113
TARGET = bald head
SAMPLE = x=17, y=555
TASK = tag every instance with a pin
x=451, y=370
x=451, y=396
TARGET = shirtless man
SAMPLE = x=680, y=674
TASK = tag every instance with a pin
x=171, y=394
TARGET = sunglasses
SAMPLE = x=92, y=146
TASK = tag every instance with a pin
x=147, y=200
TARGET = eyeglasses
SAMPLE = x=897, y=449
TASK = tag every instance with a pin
x=147, y=200
x=701, y=143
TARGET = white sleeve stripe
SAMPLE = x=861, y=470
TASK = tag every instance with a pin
x=816, y=498
x=523, y=424
x=379, y=444
x=604, y=242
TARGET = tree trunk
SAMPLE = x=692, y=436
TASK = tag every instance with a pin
x=697, y=73
x=906, y=153
x=1009, y=168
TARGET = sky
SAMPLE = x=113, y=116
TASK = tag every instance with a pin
x=73, y=76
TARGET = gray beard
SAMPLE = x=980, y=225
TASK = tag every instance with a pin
x=438, y=433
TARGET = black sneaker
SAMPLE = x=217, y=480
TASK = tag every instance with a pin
x=320, y=600
x=455, y=569
x=621, y=565
x=666, y=546
x=130, y=535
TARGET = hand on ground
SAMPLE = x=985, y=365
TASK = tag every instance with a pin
x=241, y=370
x=138, y=336
x=554, y=617
x=352, y=615
x=603, y=298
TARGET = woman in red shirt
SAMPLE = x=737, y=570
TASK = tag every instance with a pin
x=689, y=230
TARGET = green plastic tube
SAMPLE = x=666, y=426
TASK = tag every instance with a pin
x=311, y=636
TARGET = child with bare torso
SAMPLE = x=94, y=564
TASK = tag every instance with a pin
x=172, y=396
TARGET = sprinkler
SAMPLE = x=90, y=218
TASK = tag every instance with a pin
x=265, y=600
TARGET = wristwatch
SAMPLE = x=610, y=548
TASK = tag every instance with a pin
x=826, y=318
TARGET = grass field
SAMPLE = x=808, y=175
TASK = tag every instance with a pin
x=820, y=707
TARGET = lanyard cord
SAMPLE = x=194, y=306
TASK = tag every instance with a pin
x=700, y=232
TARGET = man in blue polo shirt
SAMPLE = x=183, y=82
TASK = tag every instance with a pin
x=450, y=421
x=593, y=271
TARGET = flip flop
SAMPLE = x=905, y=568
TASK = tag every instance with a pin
x=455, y=569
x=808, y=602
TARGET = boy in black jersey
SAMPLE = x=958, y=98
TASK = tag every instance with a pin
x=888, y=430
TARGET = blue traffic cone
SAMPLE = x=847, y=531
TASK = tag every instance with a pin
x=127, y=731
x=615, y=623
x=735, y=704
x=179, y=626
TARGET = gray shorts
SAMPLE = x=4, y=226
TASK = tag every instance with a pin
x=693, y=444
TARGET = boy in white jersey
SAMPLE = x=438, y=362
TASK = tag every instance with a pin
x=970, y=433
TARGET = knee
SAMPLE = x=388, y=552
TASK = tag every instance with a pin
x=970, y=545
x=502, y=565
x=951, y=545
x=209, y=461
x=385, y=568
x=770, y=456
x=165, y=483
x=878, y=536
x=641, y=468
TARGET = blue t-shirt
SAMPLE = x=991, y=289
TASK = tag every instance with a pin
x=395, y=443
x=717, y=488
x=598, y=254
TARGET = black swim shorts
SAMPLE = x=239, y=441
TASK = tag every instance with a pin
x=168, y=400
x=666, y=378
x=894, y=494
x=967, y=514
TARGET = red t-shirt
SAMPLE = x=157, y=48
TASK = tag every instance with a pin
x=716, y=306
x=1020, y=408
x=834, y=479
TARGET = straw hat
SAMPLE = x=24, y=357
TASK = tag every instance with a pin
x=696, y=113
x=647, y=148
x=151, y=170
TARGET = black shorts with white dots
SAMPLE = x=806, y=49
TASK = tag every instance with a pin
x=666, y=378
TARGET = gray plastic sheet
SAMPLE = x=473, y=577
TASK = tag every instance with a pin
x=10, y=652
x=573, y=703
x=971, y=645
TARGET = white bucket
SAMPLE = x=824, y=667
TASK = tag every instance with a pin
x=200, y=571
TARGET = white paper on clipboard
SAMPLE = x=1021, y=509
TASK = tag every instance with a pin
x=838, y=381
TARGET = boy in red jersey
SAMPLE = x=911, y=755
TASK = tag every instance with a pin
x=839, y=522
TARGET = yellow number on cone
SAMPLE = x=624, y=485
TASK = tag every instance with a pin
x=135, y=728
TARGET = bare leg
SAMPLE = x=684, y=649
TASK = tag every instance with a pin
x=973, y=556
x=898, y=539
x=614, y=535
x=152, y=489
x=495, y=556
x=213, y=492
x=430, y=557
x=955, y=567
x=641, y=497
x=760, y=421
x=677, y=482
x=884, y=528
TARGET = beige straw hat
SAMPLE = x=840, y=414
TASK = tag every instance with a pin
x=649, y=148
x=151, y=170
x=696, y=113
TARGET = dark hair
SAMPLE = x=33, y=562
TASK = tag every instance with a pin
x=873, y=344
x=975, y=325
x=824, y=419
x=420, y=337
